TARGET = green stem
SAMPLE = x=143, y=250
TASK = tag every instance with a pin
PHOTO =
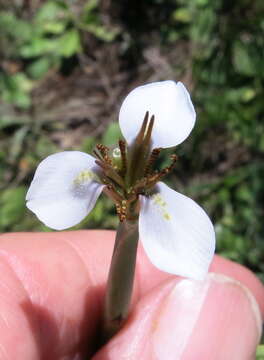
x=120, y=279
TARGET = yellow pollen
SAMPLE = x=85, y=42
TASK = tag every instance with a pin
x=157, y=199
x=83, y=177
x=166, y=216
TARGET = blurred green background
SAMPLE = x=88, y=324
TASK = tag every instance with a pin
x=65, y=67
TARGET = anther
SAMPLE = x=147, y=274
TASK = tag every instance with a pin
x=153, y=178
x=153, y=157
x=169, y=168
x=121, y=210
x=118, y=209
x=104, y=150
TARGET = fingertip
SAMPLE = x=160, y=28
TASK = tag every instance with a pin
x=242, y=274
x=183, y=319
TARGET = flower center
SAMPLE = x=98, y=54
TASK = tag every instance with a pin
x=129, y=171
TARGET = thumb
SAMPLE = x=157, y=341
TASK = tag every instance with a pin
x=188, y=320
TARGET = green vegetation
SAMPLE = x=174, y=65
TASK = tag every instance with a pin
x=260, y=353
x=66, y=65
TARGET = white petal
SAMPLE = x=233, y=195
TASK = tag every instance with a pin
x=171, y=104
x=64, y=189
x=176, y=233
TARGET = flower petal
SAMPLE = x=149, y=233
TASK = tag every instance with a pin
x=64, y=189
x=171, y=104
x=176, y=233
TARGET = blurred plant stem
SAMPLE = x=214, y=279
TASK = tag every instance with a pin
x=120, y=279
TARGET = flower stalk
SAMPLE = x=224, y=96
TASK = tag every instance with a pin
x=120, y=279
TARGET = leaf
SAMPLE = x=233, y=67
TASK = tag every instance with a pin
x=17, y=88
x=39, y=67
x=9, y=120
x=112, y=135
x=100, y=31
x=69, y=44
x=51, y=10
x=17, y=142
x=37, y=47
x=90, y=21
x=55, y=27
x=243, y=62
x=12, y=206
x=90, y=5
x=260, y=352
x=183, y=15
x=88, y=144
x=20, y=81
x=18, y=29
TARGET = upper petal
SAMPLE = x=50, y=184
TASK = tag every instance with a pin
x=176, y=233
x=64, y=189
x=171, y=104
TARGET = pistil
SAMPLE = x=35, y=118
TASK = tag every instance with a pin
x=140, y=136
x=139, y=151
x=147, y=136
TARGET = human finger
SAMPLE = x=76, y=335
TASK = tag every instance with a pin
x=183, y=319
x=62, y=278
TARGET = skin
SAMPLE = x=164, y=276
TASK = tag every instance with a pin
x=51, y=292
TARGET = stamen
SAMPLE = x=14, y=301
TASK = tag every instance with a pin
x=154, y=178
x=153, y=157
x=121, y=209
x=118, y=209
x=98, y=155
x=112, y=193
x=104, y=150
x=169, y=168
x=122, y=147
x=111, y=173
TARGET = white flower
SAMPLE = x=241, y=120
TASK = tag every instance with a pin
x=176, y=233
x=169, y=102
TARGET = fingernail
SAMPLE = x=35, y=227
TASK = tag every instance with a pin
x=215, y=319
